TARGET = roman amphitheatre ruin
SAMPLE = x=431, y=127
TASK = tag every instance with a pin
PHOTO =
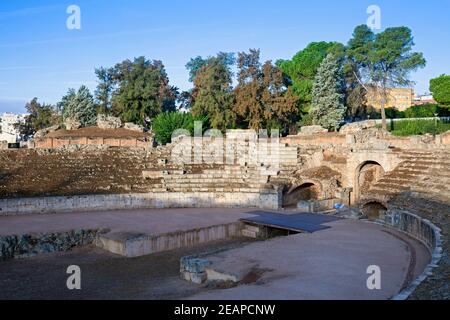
x=302, y=221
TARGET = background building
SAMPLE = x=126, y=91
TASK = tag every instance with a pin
x=423, y=99
x=400, y=98
x=8, y=130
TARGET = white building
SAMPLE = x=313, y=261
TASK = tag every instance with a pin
x=8, y=130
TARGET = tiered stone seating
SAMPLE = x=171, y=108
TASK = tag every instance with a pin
x=423, y=172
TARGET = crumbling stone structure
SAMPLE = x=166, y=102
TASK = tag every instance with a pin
x=359, y=166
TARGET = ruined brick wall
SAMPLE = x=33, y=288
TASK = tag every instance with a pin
x=49, y=143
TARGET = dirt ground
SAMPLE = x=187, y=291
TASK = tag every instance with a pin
x=103, y=275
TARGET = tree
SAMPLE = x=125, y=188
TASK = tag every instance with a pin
x=302, y=69
x=355, y=60
x=279, y=101
x=195, y=64
x=248, y=92
x=136, y=91
x=440, y=87
x=212, y=94
x=104, y=88
x=40, y=116
x=387, y=60
x=327, y=108
x=262, y=95
x=79, y=105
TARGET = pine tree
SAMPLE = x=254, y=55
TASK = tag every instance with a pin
x=328, y=107
x=79, y=105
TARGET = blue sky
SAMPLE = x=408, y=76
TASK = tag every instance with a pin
x=40, y=57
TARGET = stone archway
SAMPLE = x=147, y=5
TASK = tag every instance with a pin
x=367, y=174
x=305, y=192
x=374, y=210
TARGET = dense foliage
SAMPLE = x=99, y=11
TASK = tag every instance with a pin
x=440, y=87
x=263, y=100
x=39, y=116
x=136, y=91
x=322, y=84
x=302, y=68
x=212, y=95
x=427, y=111
x=166, y=123
x=418, y=127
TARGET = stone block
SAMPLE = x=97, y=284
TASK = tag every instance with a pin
x=193, y=265
x=152, y=174
x=133, y=127
x=197, y=278
x=108, y=122
x=358, y=126
x=307, y=130
x=72, y=124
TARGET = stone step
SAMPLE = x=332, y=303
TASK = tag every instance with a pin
x=219, y=189
x=391, y=186
x=434, y=166
x=412, y=173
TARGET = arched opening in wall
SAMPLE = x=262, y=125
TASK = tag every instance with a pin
x=305, y=192
x=367, y=174
x=374, y=210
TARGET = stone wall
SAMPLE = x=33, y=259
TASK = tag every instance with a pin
x=422, y=230
x=267, y=199
x=316, y=139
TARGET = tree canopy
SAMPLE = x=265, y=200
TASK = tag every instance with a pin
x=385, y=60
x=262, y=95
x=136, y=91
x=227, y=59
x=212, y=94
x=316, y=85
x=440, y=87
x=302, y=68
x=40, y=116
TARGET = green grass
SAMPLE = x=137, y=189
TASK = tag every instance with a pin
x=418, y=127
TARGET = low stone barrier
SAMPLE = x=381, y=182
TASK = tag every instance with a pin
x=27, y=245
x=422, y=230
x=266, y=199
x=136, y=245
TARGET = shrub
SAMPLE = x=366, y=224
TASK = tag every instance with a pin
x=418, y=127
x=394, y=113
x=166, y=123
x=427, y=111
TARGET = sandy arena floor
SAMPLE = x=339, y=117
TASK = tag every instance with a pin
x=327, y=264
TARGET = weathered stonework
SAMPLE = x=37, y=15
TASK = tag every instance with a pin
x=361, y=164
x=108, y=122
x=266, y=200
x=32, y=244
x=72, y=124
